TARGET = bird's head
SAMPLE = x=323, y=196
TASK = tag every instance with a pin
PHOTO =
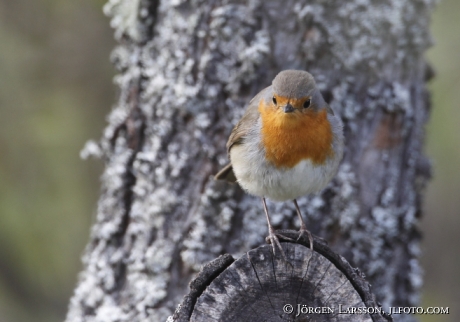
x=295, y=96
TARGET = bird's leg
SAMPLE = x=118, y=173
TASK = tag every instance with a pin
x=271, y=232
x=303, y=228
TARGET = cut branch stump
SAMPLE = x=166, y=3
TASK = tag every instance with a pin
x=260, y=286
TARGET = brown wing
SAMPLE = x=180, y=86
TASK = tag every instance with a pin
x=248, y=120
x=240, y=130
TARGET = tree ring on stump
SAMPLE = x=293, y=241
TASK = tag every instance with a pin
x=310, y=286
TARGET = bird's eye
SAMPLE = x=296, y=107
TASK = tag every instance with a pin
x=274, y=100
x=307, y=103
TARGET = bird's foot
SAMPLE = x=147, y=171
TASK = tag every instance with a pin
x=302, y=232
x=272, y=238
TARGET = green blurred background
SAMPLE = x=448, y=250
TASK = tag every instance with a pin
x=55, y=91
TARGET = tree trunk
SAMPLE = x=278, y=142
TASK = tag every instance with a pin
x=186, y=71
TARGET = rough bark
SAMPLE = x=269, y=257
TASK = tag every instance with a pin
x=186, y=71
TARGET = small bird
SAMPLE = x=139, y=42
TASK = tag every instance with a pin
x=288, y=144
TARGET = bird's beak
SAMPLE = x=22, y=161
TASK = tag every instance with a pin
x=288, y=108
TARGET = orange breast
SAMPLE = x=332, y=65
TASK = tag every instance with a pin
x=289, y=138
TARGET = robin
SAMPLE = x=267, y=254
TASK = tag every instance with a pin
x=288, y=144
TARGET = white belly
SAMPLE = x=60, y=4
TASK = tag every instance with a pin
x=261, y=178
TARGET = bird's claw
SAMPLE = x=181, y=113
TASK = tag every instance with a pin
x=303, y=231
x=274, y=241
